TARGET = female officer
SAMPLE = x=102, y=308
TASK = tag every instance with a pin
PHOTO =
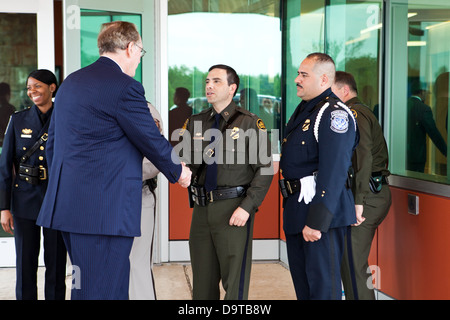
x=23, y=182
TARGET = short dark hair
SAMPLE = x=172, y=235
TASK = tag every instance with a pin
x=232, y=76
x=44, y=76
x=325, y=63
x=345, y=78
x=320, y=57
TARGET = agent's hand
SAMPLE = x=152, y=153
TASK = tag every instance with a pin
x=7, y=221
x=311, y=235
x=239, y=217
x=359, y=208
x=185, y=178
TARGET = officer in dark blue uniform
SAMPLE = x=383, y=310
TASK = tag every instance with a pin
x=23, y=182
x=318, y=204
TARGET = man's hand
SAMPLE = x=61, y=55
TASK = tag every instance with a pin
x=185, y=178
x=311, y=235
x=359, y=218
x=7, y=221
x=239, y=217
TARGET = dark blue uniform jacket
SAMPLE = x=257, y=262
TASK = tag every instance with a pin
x=24, y=129
x=326, y=149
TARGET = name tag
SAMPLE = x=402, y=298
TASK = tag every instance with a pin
x=25, y=136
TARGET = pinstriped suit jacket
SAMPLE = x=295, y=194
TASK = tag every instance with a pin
x=101, y=128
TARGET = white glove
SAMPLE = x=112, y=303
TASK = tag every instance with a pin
x=308, y=189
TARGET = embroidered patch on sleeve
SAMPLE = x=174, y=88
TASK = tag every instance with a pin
x=339, y=121
x=260, y=125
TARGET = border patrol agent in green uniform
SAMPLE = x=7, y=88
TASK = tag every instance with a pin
x=221, y=232
x=370, y=188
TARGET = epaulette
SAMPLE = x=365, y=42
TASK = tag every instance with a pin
x=259, y=123
x=23, y=110
x=207, y=110
x=246, y=112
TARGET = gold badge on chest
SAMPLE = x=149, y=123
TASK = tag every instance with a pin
x=26, y=133
x=306, y=125
x=234, y=133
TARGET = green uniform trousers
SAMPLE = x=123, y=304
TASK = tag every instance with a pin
x=376, y=208
x=220, y=252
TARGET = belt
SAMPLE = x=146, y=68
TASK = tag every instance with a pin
x=202, y=198
x=289, y=187
x=32, y=174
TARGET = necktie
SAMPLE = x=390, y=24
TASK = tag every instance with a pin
x=211, y=169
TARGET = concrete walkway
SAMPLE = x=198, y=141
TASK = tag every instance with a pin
x=173, y=281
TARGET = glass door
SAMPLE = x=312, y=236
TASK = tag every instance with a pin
x=26, y=30
x=82, y=20
x=245, y=35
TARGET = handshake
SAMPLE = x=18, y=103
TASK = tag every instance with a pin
x=185, y=178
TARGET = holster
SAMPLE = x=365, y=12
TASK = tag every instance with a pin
x=197, y=194
x=283, y=189
x=289, y=187
x=350, y=177
x=151, y=183
x=376, y=182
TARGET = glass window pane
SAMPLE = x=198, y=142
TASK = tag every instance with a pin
x=243, y=34
x=428, y=69
x=91, y=22
x=18, y=57
x=355, y=45
x=303, y=33
x=425, y=88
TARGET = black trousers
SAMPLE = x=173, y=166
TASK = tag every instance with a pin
x=315, y=266
x=27, y=236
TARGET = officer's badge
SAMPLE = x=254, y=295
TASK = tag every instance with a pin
x=26, y=133
x=260, y=124
x=234, y=133
x=339, y=121
x=306, y=125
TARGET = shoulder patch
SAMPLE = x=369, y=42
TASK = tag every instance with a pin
x=260, y=124
x=339, y=121
x=355, y=114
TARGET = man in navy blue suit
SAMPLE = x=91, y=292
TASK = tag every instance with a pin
x=100, y=131
x=318, y=205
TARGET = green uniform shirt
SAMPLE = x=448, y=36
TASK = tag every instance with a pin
x=243, y=153
x=371, y=154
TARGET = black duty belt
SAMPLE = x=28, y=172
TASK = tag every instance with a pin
x=289, y=187
x=199, y=195
x=32, y=174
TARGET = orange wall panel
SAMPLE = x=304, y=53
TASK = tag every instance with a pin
x=413, y=251
x=180, y=214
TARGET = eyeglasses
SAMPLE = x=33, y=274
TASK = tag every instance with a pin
x=143, y=52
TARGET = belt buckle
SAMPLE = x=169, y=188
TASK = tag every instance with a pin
x=210, y=153
x=42, y=173
x=288, y=184
x=211, y=198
